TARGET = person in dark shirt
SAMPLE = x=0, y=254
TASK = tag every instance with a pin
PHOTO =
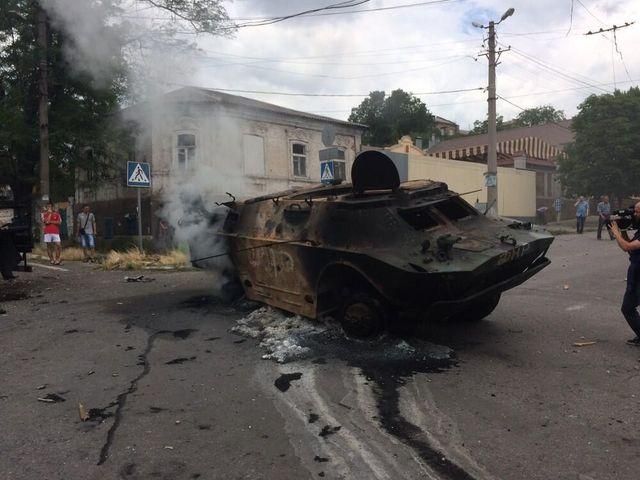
x=632, y=294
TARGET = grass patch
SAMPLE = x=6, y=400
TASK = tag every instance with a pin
x=68, y=253
x=133, y=259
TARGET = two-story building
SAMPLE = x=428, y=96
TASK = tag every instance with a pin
x=229, y=142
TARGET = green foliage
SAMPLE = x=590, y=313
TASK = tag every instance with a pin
x=391, y=117
x=85, y=93
x=483, y=126
x=538, y=116
x=526, y=118
x=605, y=157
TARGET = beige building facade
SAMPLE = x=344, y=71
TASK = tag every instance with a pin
x=224, y=143
x=516, y=187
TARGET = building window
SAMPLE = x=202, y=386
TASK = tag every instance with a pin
x=253, y=146
x=185, y=150
x=299, y=159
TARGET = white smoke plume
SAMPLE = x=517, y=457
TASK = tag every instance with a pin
x=96, y=38
x=99, y=31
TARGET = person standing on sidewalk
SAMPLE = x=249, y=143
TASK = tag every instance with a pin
x=86, y=230
x=52, y=221
x=604, y=212
x=582, y=211
x=631, y=297
x=557, y=205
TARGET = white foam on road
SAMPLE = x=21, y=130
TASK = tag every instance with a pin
x=278, y=333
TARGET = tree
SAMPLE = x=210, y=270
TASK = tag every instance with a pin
x=480, y=127
x=605, y=156
x=91, y=47
x=391, y=117
x=538, y=116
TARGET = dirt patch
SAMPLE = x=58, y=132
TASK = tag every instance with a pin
x=16, y=290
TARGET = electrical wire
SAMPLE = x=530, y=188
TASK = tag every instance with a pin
x=555, y=70
x=295, y=94
x=523, y=109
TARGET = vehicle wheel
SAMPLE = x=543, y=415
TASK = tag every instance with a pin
x=480, y=308
x=363, y=316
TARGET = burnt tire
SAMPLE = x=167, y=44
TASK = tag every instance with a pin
x=363, y=316
x=480, y=308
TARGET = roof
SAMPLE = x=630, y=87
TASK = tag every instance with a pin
x=215, y=96
x=557, y=134
x=444, y=120
x=507, y=160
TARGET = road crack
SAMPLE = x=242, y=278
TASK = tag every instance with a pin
x=121, y=400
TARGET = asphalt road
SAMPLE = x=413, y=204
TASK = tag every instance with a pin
x=172, y=394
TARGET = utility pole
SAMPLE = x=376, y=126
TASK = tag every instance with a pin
x=491, y=175
x=43, y=106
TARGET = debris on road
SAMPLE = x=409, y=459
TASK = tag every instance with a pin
x=52, y=398
x=283, y=382
x=583, y=344
x=82, y=412
x=279, y=334
x=328, y=430
x=181, y=360
x=565, y=287
x=41, y=387
x=139, y=278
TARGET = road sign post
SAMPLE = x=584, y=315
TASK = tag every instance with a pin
x=139, y=176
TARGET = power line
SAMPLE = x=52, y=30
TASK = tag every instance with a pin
x=296, y=94
x=555, y=70
x=523, y=109
x=260, y=21
x=270, y=21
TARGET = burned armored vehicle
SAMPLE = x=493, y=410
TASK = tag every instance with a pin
x=365, y=251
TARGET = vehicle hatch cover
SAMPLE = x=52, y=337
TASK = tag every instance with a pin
x=373, y=170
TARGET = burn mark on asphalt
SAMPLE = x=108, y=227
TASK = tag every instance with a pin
x=204, y=427
x=184, y=334
x=127, y=470
x=200, y=301
x=242, y=340
x=283, y=382
x=388, y=364
x=313, y=417
x=329, y=430
x=73, y=330
x=387, y=378
x=211, y=339
x=180, y=360
x=100, y=414
x=320, y=459
x=156, y=409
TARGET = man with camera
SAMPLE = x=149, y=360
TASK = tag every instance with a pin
x=632, y=294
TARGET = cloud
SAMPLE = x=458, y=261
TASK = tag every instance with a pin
x=426, y=48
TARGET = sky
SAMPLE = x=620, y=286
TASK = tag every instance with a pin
x=427, y=48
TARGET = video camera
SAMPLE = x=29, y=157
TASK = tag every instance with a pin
x=625, y=219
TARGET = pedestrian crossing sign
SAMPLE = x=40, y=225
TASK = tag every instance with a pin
x=326, y=169
x=138, y=174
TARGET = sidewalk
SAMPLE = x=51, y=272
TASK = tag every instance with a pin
x=569, y=226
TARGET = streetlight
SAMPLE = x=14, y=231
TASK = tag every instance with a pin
x=491, y=176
